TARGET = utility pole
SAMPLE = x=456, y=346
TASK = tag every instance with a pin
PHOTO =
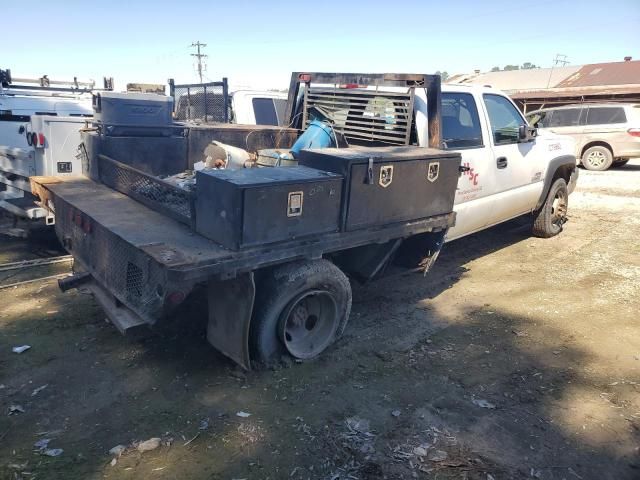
x=560, y=59
x=199, y=56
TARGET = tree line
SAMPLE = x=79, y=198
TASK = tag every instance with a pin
x=524, y=66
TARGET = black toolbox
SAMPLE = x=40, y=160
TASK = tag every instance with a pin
x=255, y=206
x=383, y=185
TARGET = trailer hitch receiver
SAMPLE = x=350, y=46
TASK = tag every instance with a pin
x=73, y=281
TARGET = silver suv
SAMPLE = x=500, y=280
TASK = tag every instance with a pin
x=606, y=134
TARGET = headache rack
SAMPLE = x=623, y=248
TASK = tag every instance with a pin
x=367, y=109
x=363, y=115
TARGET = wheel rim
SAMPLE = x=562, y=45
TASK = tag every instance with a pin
x=559, y=208
x=309, y=323
x=596, y=159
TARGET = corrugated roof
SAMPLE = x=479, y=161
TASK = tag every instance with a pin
x=599, y=74
x=596, y=74
x=512, y=80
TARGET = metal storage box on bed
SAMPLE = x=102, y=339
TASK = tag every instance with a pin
x=389, y=184
x=257, y=206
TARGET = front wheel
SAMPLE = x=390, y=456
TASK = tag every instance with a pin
x=301, y=308
x=552, y=215
x=597, y=158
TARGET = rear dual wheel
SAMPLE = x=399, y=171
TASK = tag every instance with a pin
x=301, y=308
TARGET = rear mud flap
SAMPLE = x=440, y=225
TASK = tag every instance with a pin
x=230, y=308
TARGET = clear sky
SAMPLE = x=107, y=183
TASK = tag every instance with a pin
x=258, y=44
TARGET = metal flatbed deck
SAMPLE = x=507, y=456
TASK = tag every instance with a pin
x=188, y=256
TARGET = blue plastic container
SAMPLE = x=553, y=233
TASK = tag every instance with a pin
x=317, y=135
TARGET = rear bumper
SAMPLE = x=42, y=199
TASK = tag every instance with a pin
x=23, y=207
x=628, y=147
x=628, y=152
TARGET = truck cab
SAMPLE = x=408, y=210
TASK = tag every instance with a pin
x=252, y=107
x=506, y=172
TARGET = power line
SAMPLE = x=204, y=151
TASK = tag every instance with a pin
x=199, y=56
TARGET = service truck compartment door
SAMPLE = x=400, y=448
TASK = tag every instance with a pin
x=62, y=139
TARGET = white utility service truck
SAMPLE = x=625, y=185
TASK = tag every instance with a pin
x=40, y=122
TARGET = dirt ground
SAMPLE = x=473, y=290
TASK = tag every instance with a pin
x=516, y=357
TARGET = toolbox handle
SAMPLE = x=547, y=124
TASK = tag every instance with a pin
x=370, y=172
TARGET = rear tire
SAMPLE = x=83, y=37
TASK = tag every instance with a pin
x=597, y=158
x=301, y=308
x=552, y=215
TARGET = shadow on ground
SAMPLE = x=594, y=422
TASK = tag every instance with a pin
x=485, y=393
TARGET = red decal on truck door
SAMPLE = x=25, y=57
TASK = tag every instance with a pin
x=473, y=177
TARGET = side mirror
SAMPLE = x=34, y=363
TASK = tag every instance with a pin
x=527, y=133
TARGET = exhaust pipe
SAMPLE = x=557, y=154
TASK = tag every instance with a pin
x=73, y=281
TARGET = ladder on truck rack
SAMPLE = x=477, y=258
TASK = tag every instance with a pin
x=45, y=84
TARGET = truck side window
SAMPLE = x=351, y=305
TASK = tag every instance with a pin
x=265, y=111
x=504, y=118
x=565, y=117
x=460, y=121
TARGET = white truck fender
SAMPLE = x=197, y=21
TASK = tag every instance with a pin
x=562, y=166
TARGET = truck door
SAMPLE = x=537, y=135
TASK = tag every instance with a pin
x=516, y=170
x=463, y=131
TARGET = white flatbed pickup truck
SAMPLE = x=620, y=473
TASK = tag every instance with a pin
x=290, y=295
